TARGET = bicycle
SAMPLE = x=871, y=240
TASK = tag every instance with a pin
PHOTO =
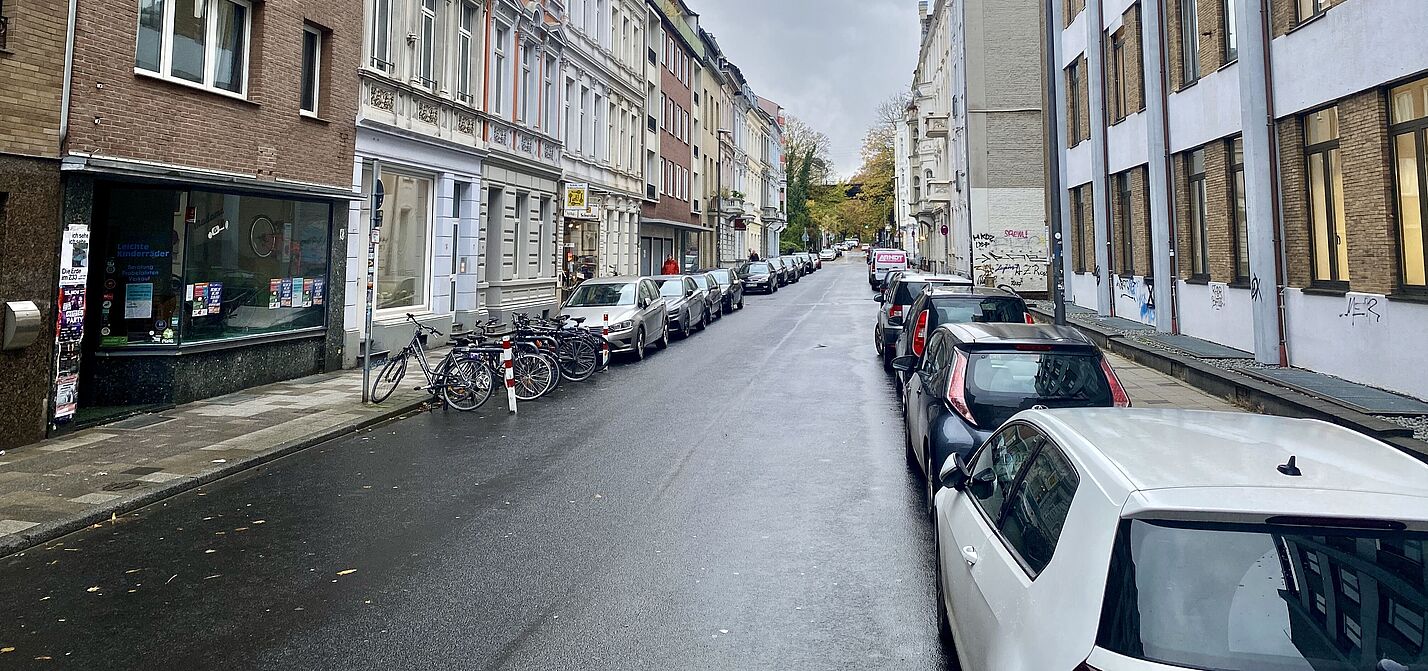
x=535, y=372
x=574, y=347
x=451, y=380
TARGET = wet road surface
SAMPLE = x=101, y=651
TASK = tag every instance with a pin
x=739, y=501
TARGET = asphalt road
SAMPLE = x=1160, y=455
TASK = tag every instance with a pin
x=739, y=501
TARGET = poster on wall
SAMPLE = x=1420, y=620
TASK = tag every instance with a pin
x=306, y=292
x=138, y=300
x=215, y=298
x=69, y=318
x=287, y=292
x=198, y=297
x=318, y=284
x=275, y=290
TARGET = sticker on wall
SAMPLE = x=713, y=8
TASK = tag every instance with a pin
x=287, y=292
x=307, y=292
x=318, y=284
x=138, y=300
x=198, y=297
x=215, y=298
x=275, y=290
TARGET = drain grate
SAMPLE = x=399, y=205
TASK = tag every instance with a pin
x=121, y=486
x=1348, y=394
x=140, y=422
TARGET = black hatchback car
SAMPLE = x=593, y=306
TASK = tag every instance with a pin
x=760, y=276
x=949, y=304
x=974, y=376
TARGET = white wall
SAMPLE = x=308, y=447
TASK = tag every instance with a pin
x=1078, y=164
x=1364, y=338
x=1218, y=313
x=1352, y=47
x=1126, y=146
x=1134, y=299
x=1073, y=42
x=1083, y=289
x=1207, y=111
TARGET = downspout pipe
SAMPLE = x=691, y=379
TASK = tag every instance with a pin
x=1277, y=190
x=68, y=75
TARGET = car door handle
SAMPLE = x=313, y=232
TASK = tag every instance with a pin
x=969, y=555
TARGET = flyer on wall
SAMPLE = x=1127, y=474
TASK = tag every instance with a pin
x=215, y=298
x=138, y=300
x=198, y=295
x=318, y=284
x=306, y=290
x=287, y=296
x=275, y=289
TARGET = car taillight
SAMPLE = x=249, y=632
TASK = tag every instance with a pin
x=895, y=310
x=919, y=334
x=1029, y=318
x=957, y=389
x=1118, y=393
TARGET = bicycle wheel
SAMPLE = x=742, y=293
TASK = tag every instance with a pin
x=467, y=385
x=578, y=359
x=534, y=376
x=390, y=376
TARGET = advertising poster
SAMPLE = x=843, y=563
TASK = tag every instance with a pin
x=318, y=284
x=74, y=255
x=306, y=292
x=287, y=292
x=66, y=396
x=215, y=298
x=275, y=289
x=69, y=318
x=138, y=300
x=198, y=294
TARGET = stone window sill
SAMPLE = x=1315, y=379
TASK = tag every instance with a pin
x=1326, y=290
x=1409, y=296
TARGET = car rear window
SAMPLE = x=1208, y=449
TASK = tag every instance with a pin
x=720, y=276
x=907, y=292
x=964, y=309
x=672, y=288
x=702, y=281
x=1266, y=598
x=1001, y=384
x=762, y=268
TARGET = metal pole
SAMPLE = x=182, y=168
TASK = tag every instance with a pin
x=374, y=235
x=1053, y=165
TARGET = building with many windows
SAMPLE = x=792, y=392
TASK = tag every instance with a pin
x=670, y=224
x=1299, y=240
x=604, y=116
x=208, y=158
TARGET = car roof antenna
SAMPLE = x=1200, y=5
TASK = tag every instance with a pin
x=1290, y=469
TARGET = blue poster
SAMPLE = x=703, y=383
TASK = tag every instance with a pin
x=287, y=295
x=215, y=298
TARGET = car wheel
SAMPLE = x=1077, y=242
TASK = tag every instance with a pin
x=878, y=342
x=703, y=320
x=684, y=328
x=663, y=342
x=640, y=344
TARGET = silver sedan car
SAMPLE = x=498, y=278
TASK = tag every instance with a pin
x=688, y=307
x=638, y=315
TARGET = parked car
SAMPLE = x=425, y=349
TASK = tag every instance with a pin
x=903, y=287
x=952, y=304
x=688, y=308
x=795, y=269
x=784, y=269
x=731, y=289
x=828, y=254
x=1195, y=540
x=883, y=262
x=760, y=276
x=638, y=316
x=713, y=294
x=810, y=261
x=976, y=376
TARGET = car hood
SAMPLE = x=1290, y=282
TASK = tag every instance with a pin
x=594, y=316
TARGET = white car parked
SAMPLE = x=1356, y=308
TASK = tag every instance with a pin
x=1156, y=540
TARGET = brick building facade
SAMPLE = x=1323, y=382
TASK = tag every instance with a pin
x=1300, y=243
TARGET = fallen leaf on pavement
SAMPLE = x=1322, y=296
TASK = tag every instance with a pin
x=347, y=571
x=6, y=649
x=92, y=589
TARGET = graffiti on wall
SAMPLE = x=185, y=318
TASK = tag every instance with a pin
x=1217, y=296
x=1362, y=309
x=1142, y=292
x=1014, y=257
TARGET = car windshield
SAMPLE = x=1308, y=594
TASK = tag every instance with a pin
x=672, y=288
x=759, y=268
x=1266, y=598
x=602, y=295
x=964, y=309
x=1000, y=384
x=702, y=281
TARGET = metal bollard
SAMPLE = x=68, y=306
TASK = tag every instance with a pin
x=605, y=351
x=508, y=362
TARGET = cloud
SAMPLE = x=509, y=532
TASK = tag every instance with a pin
x=828, y=62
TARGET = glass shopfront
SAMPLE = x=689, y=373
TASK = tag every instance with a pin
x=184, y=267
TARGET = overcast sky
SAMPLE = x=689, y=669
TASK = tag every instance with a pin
x=828, y=62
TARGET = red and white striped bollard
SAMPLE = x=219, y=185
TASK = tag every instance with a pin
x=606, y=337
x=508, y=362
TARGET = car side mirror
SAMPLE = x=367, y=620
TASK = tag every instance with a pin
x=879, y=298
x=954, y=473
x=905, y=364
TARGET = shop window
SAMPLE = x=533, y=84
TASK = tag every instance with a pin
x=1199, y=235
x=1409, y=119
x=1239, y=221
x=202, y=42
x=186, y=267
x=404, y=252
x=1326, y=197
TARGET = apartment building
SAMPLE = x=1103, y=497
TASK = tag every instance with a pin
x=772, y=177
x=208, y=149
x=670, y=224
x=973, y=140
x=1298, y=240
x=603, y=116
x=715, y=98
x=32, y=63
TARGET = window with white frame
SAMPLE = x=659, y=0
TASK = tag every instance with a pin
x=610, y=138
x=547, y=119
x=582, y=145
x=311, y=69
x=597, y=131
x=380, y=29
x=498, y=69
x=465, y=43
x=523, y=111
x=571, y=130
x=203, y=42
x=426, y=57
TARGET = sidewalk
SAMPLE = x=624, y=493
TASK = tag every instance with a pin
x=51, y=488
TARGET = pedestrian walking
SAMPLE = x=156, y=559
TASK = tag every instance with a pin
x=753, y=255
x=671, y=267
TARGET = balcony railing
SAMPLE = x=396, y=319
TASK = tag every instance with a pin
x=937, y=125
x=939, y=192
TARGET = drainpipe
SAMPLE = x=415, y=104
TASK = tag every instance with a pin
x=68, y=75
x=1277, y=191
x=1171, y=274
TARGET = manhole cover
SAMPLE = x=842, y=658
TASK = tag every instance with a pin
x=121, y=486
